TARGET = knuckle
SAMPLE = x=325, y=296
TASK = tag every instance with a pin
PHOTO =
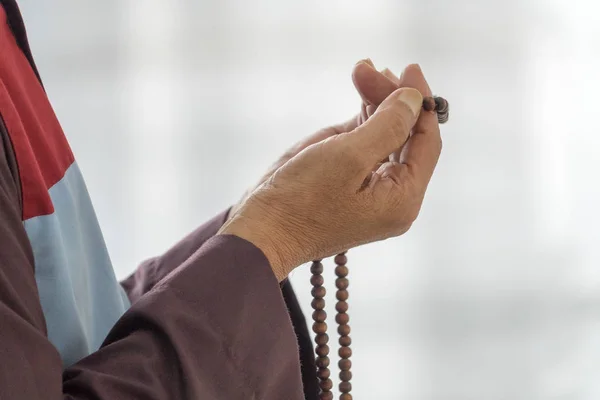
x=399, y=208
x=412, y=215
x=404, y=224
x=406, y=216
x=403, y=229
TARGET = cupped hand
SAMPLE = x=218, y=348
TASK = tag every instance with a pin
x=373, y=87
x=337, y=193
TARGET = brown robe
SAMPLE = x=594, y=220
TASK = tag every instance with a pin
x=208, y=319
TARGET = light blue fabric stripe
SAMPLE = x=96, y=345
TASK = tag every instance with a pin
x=80, y=295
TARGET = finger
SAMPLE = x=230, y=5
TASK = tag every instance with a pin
x=323, y=134
x=387, y=129
x=349, y=125
x=371, y=108
x=413, y=77
x=372, y=86
x=367, y=108
x=333, y=130
x=422, y=150
x=421, y=154
x=391, y=170
x=363, y=113
x=369, y=61
x=391, y=76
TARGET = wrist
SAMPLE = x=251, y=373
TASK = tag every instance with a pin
x=278, y=250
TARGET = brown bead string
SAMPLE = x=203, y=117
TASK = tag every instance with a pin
x=442, y=109
x=342, y=319
x=320, y=330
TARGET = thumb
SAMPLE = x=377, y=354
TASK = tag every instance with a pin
x=389, y=127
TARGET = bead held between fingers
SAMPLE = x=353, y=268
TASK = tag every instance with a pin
x=439, y=105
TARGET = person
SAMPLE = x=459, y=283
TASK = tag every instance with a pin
x=215, y=316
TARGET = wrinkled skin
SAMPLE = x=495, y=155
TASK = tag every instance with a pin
x=349, y=184
x=373, y=87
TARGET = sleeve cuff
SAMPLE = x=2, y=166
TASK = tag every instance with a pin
x=230, y=281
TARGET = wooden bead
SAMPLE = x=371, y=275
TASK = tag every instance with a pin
x=326, y=385
x=316, y=268
x=320, y=327
x=345, y=341
x=345, y=376
x=443, y=109
x=323, y=362
x=318, y=292
x=340, y=259
x=318, y=304
x=319, y=315
x=345, y=364
x=342, y=283
x=428, y=104
x=442, y=118
x=323, y=373
x=341, y=307
x=326, y=396
x=322, y=350
x=321, y=339
x=345, y=352
x=345, y=387
x=344, y=330
x=342, y=319
x=342, y=295
x=341, y=271
x=317, y=280
x=345, y=396
x=441, y=104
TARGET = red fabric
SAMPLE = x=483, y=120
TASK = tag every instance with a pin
x=41, y=148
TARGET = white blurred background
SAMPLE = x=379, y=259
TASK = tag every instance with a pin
x=174, y=108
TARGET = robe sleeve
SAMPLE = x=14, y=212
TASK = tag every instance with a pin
x=151, y=271
x=216, y=327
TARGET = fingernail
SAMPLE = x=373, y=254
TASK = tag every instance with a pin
x=416, y=67
x=388, y=73
x=367, y=61
x=412, y=98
